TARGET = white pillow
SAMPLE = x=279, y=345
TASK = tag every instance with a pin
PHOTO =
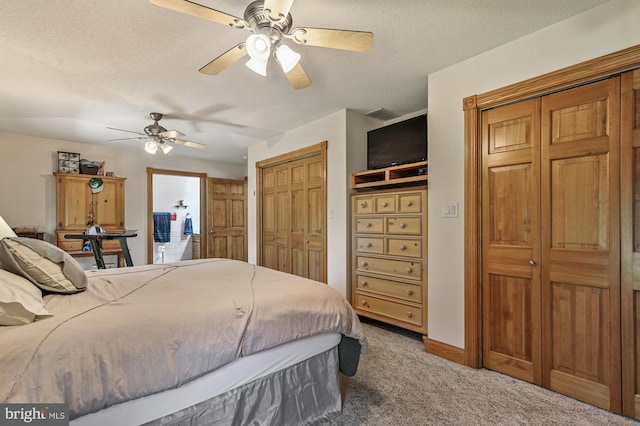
x=20, y=301
x=45, y=265
x=5, y=229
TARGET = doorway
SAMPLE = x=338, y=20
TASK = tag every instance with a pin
x=176, y=215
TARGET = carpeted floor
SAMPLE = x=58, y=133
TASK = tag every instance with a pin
x=397, y=383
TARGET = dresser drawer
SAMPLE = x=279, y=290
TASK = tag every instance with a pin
x=411, y=292
x=374, y=225
x=387, y=308
x=404, y=247
x=110, y=244
x=410, y=203
x=386, y=204
x=70, y=245
x=393, y=267
x=370, y=245
x=363, y=205
x=411, y=225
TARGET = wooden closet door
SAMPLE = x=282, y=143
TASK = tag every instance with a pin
x=630, y=244
x=269, y=246
x=307, y=218
x=292, y=225
x=580, y=243
x=511, y=249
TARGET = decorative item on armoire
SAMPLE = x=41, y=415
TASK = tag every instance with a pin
x=161, y=227
x=188, y=225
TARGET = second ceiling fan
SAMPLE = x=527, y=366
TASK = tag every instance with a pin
x=270, y=22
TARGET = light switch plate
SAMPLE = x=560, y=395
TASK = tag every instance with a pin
x=450, y=210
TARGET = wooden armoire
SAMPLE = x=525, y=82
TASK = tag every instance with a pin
x=553, y=231
x=292, y=217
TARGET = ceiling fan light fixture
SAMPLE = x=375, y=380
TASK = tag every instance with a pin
x=259, y=67
x=259, y=48
x=151, y=147
x=287, y=57
x=165, y=148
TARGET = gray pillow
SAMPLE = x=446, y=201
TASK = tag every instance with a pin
x=47, y=266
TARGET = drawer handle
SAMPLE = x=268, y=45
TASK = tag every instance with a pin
x=364, y=303
x=409, y=292
x=364, y=283
x=365, y=264
x=409, y=314
x=385, y=204
x=369, y=244
x=368, y=225
x=363, y=204
x=409, y=270
x=409, y=203
x=403, y=247
x=402, y=226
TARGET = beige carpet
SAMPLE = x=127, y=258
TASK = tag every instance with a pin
x=397, y=383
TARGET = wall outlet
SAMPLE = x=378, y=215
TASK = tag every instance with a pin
x=161, y=249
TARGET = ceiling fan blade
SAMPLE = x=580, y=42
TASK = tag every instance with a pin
x=298, y=77
x=129, y=131
x=127, y=139
x=278, y=9
x=225, y=60
x=171, y=134
x=356, y=41
x=200, y=11
x=187, y=143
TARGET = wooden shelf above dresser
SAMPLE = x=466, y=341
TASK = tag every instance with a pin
x=394, y=175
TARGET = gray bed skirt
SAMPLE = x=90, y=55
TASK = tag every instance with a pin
x=307, y=393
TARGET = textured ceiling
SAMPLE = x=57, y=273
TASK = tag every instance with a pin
x=72, y=68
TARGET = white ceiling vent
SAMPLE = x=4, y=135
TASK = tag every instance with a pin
x=382, y=114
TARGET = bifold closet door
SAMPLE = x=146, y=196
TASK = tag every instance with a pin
x=511, y=233
x=581, y=243
x=551, y=242
x=630, y=194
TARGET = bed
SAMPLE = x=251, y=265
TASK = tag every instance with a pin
x=210, y=341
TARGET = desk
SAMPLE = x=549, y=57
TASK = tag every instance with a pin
x=96, y=250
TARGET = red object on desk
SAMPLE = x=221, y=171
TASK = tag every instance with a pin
x=174, y=216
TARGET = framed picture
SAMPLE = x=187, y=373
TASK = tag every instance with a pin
x=68, y=162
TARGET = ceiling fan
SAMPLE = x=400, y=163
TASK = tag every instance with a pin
x=157, y=136
x=270, y=22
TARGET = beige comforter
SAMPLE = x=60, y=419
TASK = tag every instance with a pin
x=138, y=331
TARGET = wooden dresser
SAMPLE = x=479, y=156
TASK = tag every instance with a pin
x=389, y=279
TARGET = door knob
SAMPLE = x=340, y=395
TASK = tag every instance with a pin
x=532, y=262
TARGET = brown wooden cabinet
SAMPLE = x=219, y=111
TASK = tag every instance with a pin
x=77, y=207
x=389, y=278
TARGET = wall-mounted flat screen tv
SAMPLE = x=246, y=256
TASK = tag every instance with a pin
x=398, y=143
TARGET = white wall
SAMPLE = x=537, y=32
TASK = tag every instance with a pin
x=27, y=186
x=605, y=29
x=346, y=153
